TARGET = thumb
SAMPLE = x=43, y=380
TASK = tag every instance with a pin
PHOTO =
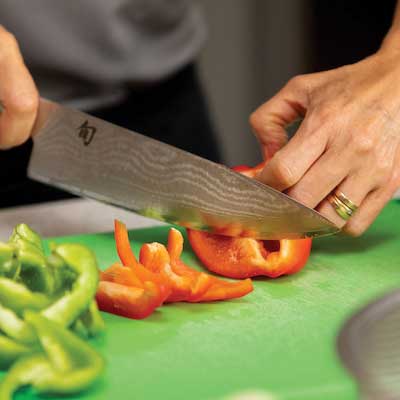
x=270, y=120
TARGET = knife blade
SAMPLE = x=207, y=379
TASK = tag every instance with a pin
x=92, y=158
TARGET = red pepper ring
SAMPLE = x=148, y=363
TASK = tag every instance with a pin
x=237, y=257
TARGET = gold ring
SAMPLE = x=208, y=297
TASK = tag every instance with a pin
x=346, y=201
x=341, y=209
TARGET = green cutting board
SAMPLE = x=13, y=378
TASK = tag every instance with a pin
x=280, y=339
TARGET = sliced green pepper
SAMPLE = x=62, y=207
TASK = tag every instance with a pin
x=70, y=306
x=92, y=320
x=34, y=271
x=18, y=297
x=10, y=350
x=15, y=327
x=9, y=263
x=75, y=365
x=22, y=373
x=23, y=231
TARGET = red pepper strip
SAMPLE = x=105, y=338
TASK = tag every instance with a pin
x=155, y=257
x=117, y=273
x=208, y=288
x=128, y=259
x=237, y=257
x=188, y=284
x=221, y=290
x=127, y=301
x=124, y=249
x=201, y=281
x=249, y=171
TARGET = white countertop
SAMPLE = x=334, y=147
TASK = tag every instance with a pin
x=69, y=217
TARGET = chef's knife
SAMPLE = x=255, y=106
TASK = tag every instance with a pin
x=93, y=158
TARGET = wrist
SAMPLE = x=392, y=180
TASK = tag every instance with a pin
x=391, y=42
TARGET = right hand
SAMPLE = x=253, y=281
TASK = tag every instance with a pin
x=18, y=94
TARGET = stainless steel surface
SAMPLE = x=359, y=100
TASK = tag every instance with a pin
x=369, y=345
x=96, y=159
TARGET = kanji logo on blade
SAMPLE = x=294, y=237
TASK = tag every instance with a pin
x=86, y=132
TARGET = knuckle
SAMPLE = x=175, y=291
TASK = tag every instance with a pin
x=283, y=172
x=24, y=103
x=256, y=121
x=383, y=169
x=362, y=144
x=298, y=81
x=304, y=196
x=8, y=42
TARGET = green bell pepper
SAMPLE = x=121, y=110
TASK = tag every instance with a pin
x=10, y=350
x=75, y=365
x=24, y=372
x=34, y=272
x=18, y=297
x=72, y=304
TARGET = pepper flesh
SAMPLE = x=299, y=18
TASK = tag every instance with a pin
x=128, y=301
x=18, y=297
x=61, y=286
x=10, y=350
x=136, y=289
x=187, y=283
x=66, y=309
x=74, y=364
x=241, y=257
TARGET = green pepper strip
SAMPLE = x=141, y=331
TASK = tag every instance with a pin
x=34, y=271
x=67, y=308
x=25, y=371
x=75, y=365
x=79, y=328
x=92, y=320
x=9, y=263
x=15, y=327
x=19, y=298
x=10, y=351
x=81, y=260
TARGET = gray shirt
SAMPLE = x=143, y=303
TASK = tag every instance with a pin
x=86, y=53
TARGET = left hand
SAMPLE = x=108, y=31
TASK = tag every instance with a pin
x=348, y=141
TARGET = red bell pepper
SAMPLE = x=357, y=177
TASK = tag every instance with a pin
x=135, y=289
x=188, y=284
x=128, y=259
x=241, y=257
x=128, y=301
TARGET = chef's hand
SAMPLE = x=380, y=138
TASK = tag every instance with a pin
x=349, y=140
x=18, y=94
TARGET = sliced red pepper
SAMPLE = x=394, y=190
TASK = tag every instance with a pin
x=155, y=257
x=251, y=172
x=124, y=249
x=127, y=301
x=220, y=290
x=241, y=257
x=128, y=259
x=201, y=281
x=188, y=284
x=118, y=273
x=245, y=257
